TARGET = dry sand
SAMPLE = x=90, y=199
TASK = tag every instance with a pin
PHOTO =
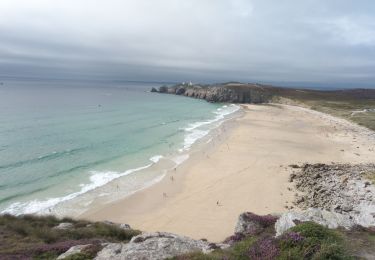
x=245, y=168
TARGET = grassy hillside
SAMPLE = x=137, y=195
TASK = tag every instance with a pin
x=307, y=240
x=33, y=237
x=355, y=105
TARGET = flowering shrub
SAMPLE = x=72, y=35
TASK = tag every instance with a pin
x=265, y=248
x=234, y=238
x=292, y=238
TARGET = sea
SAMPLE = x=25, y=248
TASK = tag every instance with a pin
x=65, y=144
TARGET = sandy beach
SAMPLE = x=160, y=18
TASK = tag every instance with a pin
x=245, y=168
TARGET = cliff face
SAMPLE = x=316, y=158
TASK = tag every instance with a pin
x=233, y=93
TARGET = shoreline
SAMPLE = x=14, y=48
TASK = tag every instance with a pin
x=201, y=147
x=102, y=185
x=245, y=169
x=144, y=177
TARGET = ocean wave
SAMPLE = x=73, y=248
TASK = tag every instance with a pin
x=156, y=158
x=97, y=179
x=50, y=156
x=193, y=131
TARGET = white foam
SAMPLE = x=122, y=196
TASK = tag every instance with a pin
x=156, y=158
x=180, y=158
x=194, y=136
x=97, y=179
x=193, y=131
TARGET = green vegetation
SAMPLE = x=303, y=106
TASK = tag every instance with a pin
x=32, y=237
x=370, y=176
x=307, y=240
x=355, y=105
x=36, y=237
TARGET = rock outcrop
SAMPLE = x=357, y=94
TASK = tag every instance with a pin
x=339, y=188
x=122, y=226
x=159, y=245
x=232, y=93
x=73, y=251
x=64, y=226
x=250, y=223
x=323, y=217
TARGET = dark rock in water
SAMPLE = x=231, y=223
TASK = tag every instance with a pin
x=180, y=91
x=154, y=90
x=163, y=89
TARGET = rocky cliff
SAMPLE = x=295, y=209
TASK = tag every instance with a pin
x=230, y=92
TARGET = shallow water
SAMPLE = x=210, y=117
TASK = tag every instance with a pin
x=60, y=140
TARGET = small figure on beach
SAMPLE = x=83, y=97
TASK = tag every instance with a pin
x=217, y=203
x=175, y=169
x=172, y=179
x=164, y=195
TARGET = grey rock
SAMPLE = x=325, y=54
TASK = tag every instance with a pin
x=125, y=226
x=158, y=245
x=326, y=218
x=249, y=223
x=339, y=188
x=163, y=89
x=72, y=251
x=64, y=225
x=244, y=225
x=122, y=226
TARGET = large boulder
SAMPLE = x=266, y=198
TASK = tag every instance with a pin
x=180, y=91
x=72, y=251
x=159, y=245
x=163, y=89
x=326, y=218
x=250, y=223
x=64, y=226
x=122, y=226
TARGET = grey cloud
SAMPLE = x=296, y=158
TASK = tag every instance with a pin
x=292, y=42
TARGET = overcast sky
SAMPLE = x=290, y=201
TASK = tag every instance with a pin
x=310, y=41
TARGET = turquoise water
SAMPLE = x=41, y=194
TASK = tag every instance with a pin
x=60, y=140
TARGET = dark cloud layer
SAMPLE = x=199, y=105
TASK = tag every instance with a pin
x=292, y=42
